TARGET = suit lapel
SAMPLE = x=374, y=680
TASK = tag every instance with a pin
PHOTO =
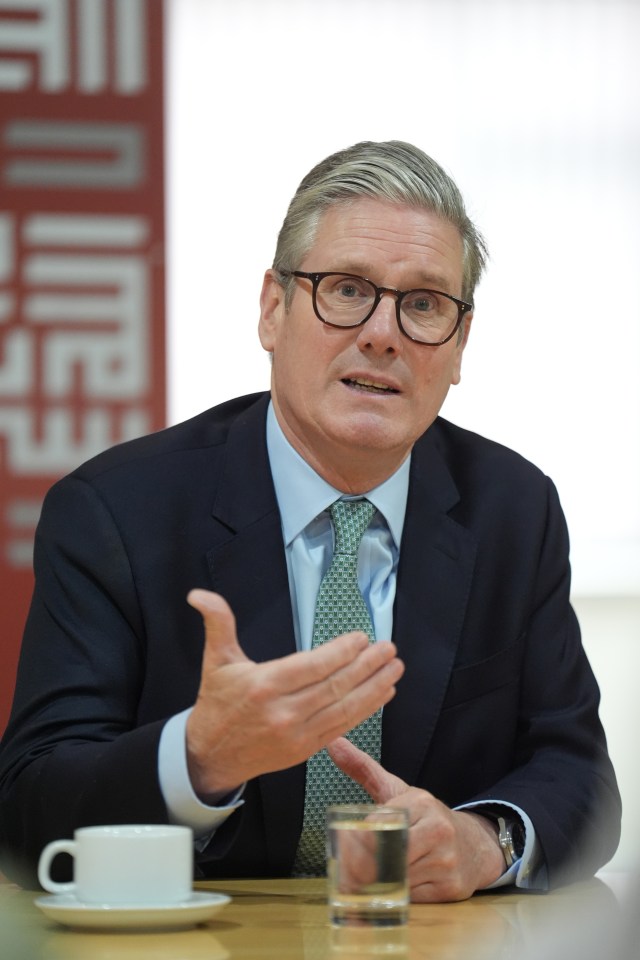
x=246, y=560
x=437, y=558
x=248, y=568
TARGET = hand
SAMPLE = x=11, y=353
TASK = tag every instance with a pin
x=251, y=718
x=451, y=853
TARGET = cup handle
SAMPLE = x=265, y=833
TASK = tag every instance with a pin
x=46, y=857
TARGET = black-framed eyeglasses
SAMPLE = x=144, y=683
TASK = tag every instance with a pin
x=347, y=300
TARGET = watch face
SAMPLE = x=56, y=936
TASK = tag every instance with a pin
x=518, y=837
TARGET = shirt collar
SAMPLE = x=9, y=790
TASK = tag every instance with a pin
x=302, y=494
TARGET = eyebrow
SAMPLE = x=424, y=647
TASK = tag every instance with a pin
x=428, y=282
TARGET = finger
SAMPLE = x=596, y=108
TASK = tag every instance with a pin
x=326, y=674
x=381, y=785
x=332, y=675
x=221, y=639
x=344, y=713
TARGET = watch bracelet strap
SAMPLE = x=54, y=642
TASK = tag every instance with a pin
x=510, y=832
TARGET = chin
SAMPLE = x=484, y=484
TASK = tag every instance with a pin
x=360, y=434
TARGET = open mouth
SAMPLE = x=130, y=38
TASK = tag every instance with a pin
x=369, y=386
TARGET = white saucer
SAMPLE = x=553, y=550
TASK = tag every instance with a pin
x=67, y=910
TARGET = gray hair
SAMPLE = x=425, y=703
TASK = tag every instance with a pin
x=394, y=171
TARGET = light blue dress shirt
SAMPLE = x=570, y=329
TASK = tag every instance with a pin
x=303, y=499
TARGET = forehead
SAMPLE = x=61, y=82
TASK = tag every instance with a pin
x=376, y=236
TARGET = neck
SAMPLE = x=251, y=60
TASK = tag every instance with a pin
x=355, y=477
x=351, y=470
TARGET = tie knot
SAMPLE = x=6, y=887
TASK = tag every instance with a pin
x=350, y=520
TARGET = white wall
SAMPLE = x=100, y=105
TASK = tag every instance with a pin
x=532, y=106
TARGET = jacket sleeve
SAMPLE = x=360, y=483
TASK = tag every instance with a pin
x=561, y=774
x=73, y=752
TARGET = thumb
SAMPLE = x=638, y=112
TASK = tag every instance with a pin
x=379, y=784
x=221, y=638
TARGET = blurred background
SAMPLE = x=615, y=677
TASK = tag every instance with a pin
x=532, y=106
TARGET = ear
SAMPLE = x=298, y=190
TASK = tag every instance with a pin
x=272, y=310
x=461, y=343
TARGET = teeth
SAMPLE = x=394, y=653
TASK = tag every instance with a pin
x=371, y=383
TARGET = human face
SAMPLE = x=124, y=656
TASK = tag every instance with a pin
x=353, y=402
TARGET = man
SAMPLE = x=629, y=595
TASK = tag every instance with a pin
x=490, y=732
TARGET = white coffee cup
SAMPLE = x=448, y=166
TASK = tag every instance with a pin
x=124, y=864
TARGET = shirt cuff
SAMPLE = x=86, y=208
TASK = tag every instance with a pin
x=183, y=805
x=529, y=871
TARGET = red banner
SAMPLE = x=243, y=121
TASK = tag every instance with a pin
x=82, y=341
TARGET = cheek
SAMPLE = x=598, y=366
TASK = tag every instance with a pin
x=296, y=361
x=437, y=371
x=434, y=380
x=312, y=348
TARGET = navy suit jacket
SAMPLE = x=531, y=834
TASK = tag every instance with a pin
x=497, y=701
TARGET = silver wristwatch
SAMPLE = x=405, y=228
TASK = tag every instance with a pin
x=510, y=838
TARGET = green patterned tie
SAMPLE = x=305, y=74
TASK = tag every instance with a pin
x=340, y=607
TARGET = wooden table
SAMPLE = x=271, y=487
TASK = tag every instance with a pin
x=283, y=919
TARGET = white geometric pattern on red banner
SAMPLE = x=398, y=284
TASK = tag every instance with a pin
x=81, y=256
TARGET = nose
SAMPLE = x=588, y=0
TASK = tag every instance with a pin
x=381, y=332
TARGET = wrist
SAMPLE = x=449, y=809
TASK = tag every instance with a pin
x=205, y=775
x=487, y=852
x=510, y=833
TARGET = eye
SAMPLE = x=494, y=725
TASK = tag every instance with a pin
x=349, y=288
x=421, y=301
